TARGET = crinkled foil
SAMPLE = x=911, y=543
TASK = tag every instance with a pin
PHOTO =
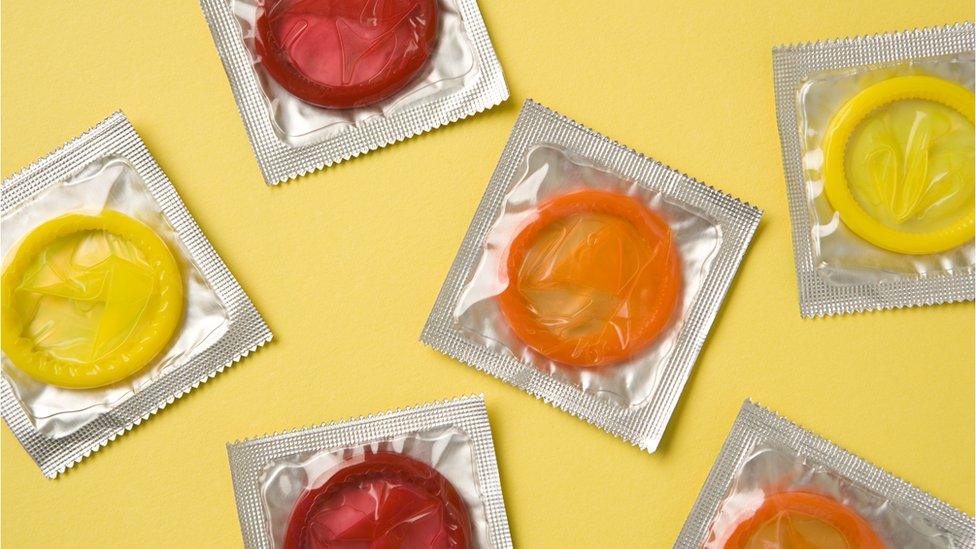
x=793, y=65
x=246, y=330
x=108, y=183
x=254, y=461
x=549, y=172
x=332, y=136
x=640, y=423
x=862, y=484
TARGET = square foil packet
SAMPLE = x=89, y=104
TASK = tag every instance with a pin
x=769, y=467
x=292, y=136
x=438, y=456
x=94, y=236
x=878, y=155
x=590, y=276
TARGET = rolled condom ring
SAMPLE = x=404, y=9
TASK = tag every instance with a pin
x=88, y=300
x=383, y=501
x=898, y=164
x=341, y=54
x=803, y=519
x=592, y=279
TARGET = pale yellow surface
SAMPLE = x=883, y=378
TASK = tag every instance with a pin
x=345, y=265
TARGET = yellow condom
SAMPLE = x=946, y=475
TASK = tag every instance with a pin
x=898, y=164
x=89, y=300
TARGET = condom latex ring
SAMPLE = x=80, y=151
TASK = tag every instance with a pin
x=89, y=300
x=341, y=54
x=592, y=279
x=803, y=519
x=898, y=165
x=385, y=501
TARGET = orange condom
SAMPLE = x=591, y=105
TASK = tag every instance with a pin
x=797, y=520
x=592, y=279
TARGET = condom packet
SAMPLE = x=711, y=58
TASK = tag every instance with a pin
x=417, y=65
x=769, y=467
x=94, y=237
x=877, y=140
x=606, y=323
x=435, y=456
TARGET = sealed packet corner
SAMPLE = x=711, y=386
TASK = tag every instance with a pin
x=434, y=464
x=877, y=144
x=114, y=302
x=774, y=482
x=320, y=82
x=590, y=276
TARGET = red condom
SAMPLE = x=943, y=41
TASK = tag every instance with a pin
x=385, y=501
x=345, y=53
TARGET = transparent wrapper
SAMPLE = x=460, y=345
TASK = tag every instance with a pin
x=878, y=153
x=292, y=136
x=275, y=475
x=776, y=481
x=590, y=276
x=74, y=291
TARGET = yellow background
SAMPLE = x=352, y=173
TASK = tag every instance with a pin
x=345, y=265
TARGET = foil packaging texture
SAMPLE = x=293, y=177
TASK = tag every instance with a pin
x=453, y=437
x=838, y=272
x=109, y=167
x=766, y=451
x=291, y=138
x=549, y=155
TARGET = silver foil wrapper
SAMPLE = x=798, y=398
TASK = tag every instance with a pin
x=873, y=279
x=453, y=437
x=292, y=138
x=764, y=448
x=60, y=427
x=548, y=153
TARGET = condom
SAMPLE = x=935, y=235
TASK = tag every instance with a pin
x=803, y=519
x=318, y=82
x=898, y=165
x=775, y=484
x=89, y=300
x=593, y=278
x=113, y=301
x=590, y=276
x=385, y=501
x=341, y=54
x=414, y=477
